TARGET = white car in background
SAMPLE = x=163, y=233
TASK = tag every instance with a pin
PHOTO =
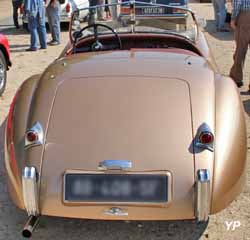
x=67, y=7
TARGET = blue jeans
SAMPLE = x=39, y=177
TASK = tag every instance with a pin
x=53, y=15
x=220, y=12
x=37, y=30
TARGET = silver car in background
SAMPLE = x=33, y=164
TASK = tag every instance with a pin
x=67, y=8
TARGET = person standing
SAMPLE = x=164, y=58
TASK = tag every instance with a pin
x=35, y=10
x=220, y=13
x=240, y=22
x=99, y=11
x=107, y=10
x=16, y=5
x=53, y=14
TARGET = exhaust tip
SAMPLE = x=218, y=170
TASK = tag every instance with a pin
x=26, y=233
x=30, y=226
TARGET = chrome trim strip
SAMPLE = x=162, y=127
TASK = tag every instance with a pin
x=30, y=191
x=38, y=129
x=115, y=165
x=202, y=195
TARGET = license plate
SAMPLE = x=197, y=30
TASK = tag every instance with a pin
x=119, y=188
x=153, y=11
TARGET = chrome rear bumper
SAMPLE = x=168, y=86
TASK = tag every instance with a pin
x=202, y=198
x=30, y=191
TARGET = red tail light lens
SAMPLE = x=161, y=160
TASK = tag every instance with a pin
x=32, y=136
x=206, y=138
x=68, y=8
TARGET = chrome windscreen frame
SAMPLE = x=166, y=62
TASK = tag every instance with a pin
x=134, y=17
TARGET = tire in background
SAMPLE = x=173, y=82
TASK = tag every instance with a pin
x=3, y=72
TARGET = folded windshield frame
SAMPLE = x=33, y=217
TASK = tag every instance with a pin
x=132, y=17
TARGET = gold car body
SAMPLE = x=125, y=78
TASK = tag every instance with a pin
x=143, y=105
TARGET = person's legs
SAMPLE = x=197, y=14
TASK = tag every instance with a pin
x=33, y=32
x=100, y=10
x=15, y=13
x=48, y=11
x=114, y=10
x=216, y=12
x=222, y=14
x=42, y=29
x=55, y=23
x=242, y=39
x=107, y=9
x=92, y=13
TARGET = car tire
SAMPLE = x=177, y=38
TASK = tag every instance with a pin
x=3, y=72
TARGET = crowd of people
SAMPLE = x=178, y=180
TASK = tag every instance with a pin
x=36, y=10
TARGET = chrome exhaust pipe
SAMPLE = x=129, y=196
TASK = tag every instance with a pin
x=30, y=226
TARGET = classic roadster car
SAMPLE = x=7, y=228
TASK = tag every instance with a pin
x=132, y=122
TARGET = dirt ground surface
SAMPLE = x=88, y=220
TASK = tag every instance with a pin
x=12, y=219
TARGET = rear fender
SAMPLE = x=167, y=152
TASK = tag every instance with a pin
x=230, y=145
x=14, y=138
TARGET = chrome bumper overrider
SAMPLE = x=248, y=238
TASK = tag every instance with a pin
x=30, y=191
x=202, y=189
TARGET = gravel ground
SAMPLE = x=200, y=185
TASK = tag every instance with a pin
x=12, y=219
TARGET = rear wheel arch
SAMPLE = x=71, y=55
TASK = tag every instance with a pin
x=230, y=145
x=19, y=124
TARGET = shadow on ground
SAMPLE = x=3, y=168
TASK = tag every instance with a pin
x=18, y=48
x=64, y=228
x=11, y=30
x=211, y=29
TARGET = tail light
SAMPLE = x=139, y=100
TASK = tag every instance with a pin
x=68, y=8
x=34, y=135
x=206, y=138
